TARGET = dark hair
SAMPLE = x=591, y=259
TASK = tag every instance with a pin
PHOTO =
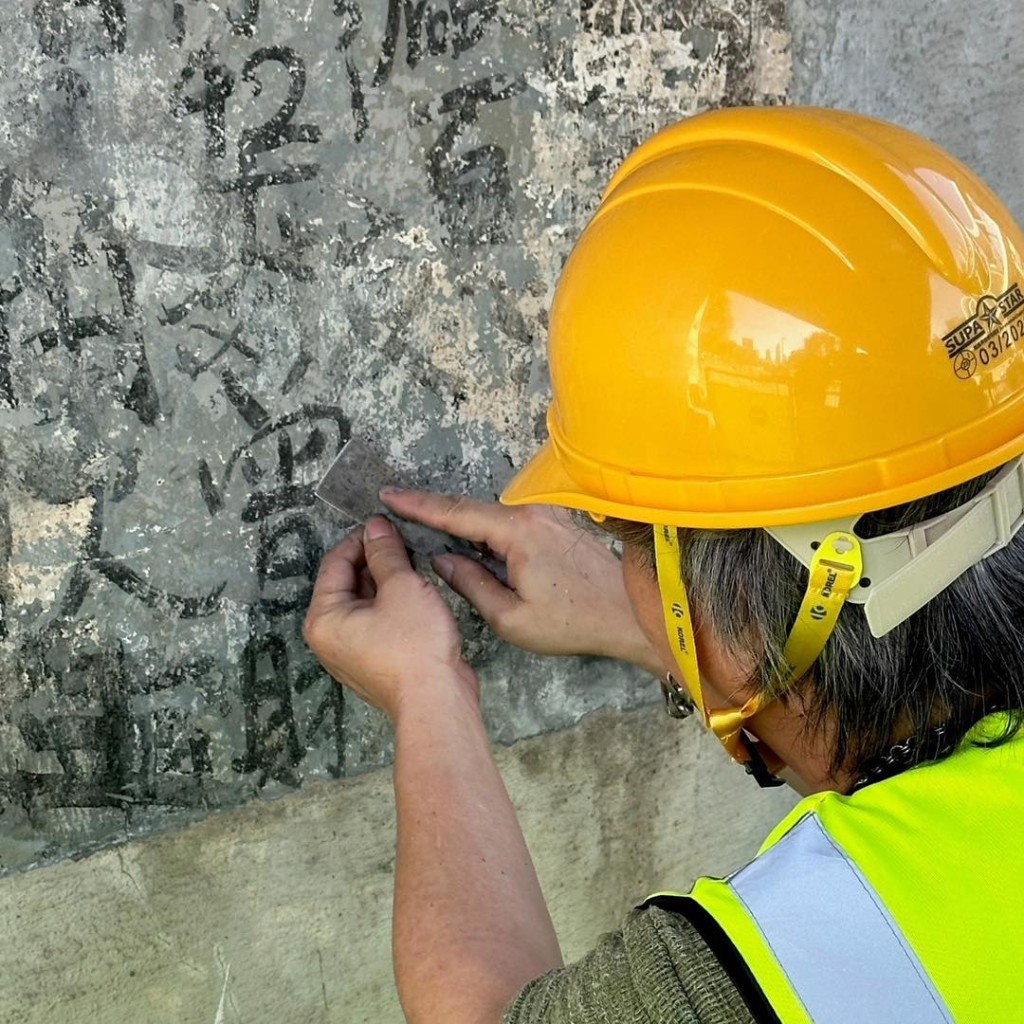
x=957, y=659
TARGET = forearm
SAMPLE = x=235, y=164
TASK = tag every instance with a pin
x=471, y=926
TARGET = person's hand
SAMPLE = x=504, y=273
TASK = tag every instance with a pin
x=379, y=627
x=565, y=592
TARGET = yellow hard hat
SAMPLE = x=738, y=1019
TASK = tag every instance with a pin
x=782, y=315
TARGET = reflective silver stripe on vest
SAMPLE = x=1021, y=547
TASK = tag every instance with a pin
x=845, y=957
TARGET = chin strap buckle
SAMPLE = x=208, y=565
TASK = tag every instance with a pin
x=678, y=703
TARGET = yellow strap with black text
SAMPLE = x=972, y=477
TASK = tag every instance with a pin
x=836, y=569
x=676, y=608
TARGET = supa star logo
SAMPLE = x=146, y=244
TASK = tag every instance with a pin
x=994, y=329
x=988, y=312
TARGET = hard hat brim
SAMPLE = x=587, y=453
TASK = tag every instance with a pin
x=543, y=481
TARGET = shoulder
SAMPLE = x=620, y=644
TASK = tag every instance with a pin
x=657, y=969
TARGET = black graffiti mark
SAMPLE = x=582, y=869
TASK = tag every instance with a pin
x=7, y=394
x=127, y=476
x=352, y=25
x=287, y=550
x=254, y=182
x=391, y=32
x=285, y=494
x=95, y=559
x=272, y=746
x=245, y=403
x=187, y=673
x=106, y=755
x=210, y=299
x=71, y=90
x=141, y=396
x=75, y=592
x=143, y=399
x=179, y=24
x=378, y=224
x=212, y=497
x=474, y=188
x=70, y=331
x=244, y=24
x=278, y=130
x=89, y=733
x=132, y=583
x=287, y=259
x=251, y=470
x=333, y=704
x=358, y=99
x=308, y=414
x=192, y=366
x=218, y=84
x=53, y=26
x=263, y=505
x=285, y=457
x=6, y=543
x=616, y=18
x=190, y=753
x=292, y=379
x=314, y=447
x=181, y=258
x=430, y=28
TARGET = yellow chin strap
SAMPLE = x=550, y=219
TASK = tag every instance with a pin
x=836, y=569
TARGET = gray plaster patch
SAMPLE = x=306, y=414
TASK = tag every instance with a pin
x=949, y=71
x=231, y=235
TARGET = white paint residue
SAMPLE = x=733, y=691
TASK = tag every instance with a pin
x=44, y=541
x=220, y=1018
x=417, y=237
x=629, y=67
x=773, y=63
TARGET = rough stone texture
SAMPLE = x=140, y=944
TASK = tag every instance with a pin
x=231, y=234
x=279, y=912
x=951, y=71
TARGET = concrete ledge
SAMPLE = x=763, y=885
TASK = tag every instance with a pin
x=280, y=912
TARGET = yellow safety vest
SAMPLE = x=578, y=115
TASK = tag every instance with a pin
x=902, y=903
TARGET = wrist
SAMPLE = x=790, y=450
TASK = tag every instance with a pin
x=441, y=690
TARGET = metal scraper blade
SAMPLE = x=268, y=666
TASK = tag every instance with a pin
x=352, y=484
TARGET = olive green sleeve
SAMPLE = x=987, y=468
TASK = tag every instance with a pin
x=656, y=970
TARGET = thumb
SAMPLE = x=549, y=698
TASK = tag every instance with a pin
x=385, y=550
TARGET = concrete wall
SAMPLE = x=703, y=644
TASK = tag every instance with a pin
x=231, y=235
x=388, y=293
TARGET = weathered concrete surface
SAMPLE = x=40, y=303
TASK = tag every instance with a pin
x=231, y=234
x=951, y=71
x=281, y=912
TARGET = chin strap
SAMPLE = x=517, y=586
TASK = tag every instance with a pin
x=835, y=569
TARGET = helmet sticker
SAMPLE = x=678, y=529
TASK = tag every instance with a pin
x=997, y=325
